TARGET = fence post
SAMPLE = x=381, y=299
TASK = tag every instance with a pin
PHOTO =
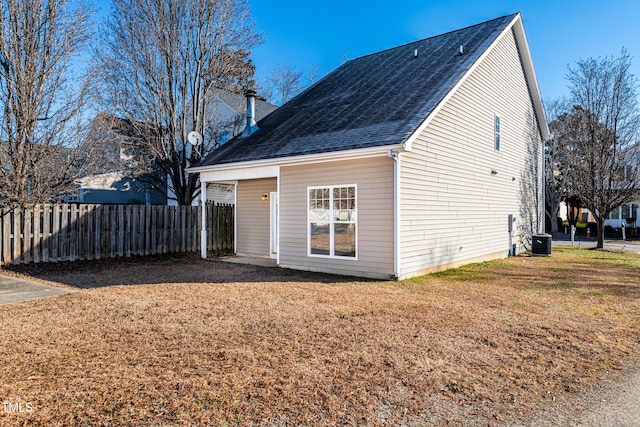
x=6, y=237
x=35, y=246
x=90, y=230
x=130, y=237
x=97, y=237
x=121, y=230
x=172, y=229
x=27, y=234
x=73, y=232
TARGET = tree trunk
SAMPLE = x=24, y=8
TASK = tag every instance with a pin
x=600, y=222
x=554, y=224
x=552, y=214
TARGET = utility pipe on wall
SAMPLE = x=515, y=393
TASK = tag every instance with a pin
x=396, y=211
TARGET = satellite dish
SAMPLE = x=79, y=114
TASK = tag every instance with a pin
x=194, y=138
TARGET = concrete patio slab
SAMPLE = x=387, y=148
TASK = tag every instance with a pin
x=16, y=290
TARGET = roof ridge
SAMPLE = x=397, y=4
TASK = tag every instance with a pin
x=434, y=36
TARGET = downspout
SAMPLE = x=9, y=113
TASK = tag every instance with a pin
x=542, y=227
x=203, y=225
x=235, y=218
x=278, y=216
x=396, y=212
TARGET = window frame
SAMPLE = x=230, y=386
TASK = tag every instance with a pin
x=74, y=196
x=497, y=132
x=332, y=222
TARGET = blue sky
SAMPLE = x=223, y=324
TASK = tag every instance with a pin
x=322, y=33
x=307, y=34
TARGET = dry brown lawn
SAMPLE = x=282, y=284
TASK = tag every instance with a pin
x=183, y=341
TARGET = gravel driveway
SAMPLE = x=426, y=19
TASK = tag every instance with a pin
x=619, y=405
x=613, y=403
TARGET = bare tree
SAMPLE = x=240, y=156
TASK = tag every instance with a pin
x=161, y=63
x=286, y=81
x=556, y=163
x=531, y=219
x=283, y=83
x=313, y=74
x=41, y=143
x=601, y=132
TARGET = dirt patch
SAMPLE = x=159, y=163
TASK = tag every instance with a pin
x=182, y=341
x=168, y=268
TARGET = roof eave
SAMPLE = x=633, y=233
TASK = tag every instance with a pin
x=532, y=79
x=302, y=159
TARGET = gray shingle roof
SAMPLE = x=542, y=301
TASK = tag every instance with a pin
x=375, y=100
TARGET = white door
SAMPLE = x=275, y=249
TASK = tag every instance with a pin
x=273, y=200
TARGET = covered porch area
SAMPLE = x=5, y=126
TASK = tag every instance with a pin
x=254, y=194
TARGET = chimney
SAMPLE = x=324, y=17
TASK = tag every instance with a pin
x=251, y=126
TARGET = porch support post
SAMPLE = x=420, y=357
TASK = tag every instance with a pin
x=203, y=226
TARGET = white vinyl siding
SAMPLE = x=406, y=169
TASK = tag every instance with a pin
x=373, y=179
x=457, y=191
x=253, y=217
x=221, y=193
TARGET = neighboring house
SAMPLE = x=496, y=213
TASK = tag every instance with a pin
x=228, y=113
x=116, y=188
x=221, y=194
x=627, y=214
x=117, y=178
x=227, y=118
x=403, y=162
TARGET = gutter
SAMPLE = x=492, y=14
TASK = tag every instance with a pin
x=357, y=153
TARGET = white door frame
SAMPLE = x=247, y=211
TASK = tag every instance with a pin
x=273, y=229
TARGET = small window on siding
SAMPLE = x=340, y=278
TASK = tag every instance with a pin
x=496, y=132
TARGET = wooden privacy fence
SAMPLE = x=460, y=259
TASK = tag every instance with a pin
x=70, y=232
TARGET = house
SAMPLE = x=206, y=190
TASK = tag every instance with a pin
x=118, y=188
x=626, y=214
x=122, y=177
x=411, y=160
x=228, y=112
x=119, y=181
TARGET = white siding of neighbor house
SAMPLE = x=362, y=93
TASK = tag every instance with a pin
x=374, y=180
x=453, y=209
x=221, y=193
x=252, y=217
